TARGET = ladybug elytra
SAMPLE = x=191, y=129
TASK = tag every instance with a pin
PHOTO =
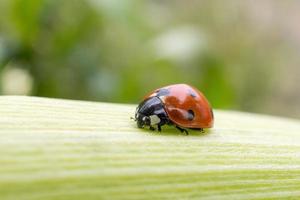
x=180, y=105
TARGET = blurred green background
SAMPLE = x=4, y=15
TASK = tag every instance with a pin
x=242, y=55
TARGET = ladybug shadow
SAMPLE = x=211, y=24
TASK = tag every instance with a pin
x=173, y=131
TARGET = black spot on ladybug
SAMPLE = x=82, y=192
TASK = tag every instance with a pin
x=191, y=115
x=192, y=94
x=163, y=92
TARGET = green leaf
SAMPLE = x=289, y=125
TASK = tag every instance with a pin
x=62, y=149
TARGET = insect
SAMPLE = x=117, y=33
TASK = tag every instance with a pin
x=180, y=105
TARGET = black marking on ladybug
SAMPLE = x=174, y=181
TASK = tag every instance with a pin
x=191, y=115
x=162, y=92
x=192, y=94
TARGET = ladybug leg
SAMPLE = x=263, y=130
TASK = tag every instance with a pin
x=182, y=130
x=201, y=130
x=159, y=128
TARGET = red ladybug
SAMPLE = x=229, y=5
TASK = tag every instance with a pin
x=181, y=105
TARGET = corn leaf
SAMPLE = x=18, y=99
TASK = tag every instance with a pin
x=63, y=149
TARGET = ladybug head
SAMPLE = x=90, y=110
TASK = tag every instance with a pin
x=143, y=113
x=142, y=120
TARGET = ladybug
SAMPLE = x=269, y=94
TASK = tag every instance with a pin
x=180, y=105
